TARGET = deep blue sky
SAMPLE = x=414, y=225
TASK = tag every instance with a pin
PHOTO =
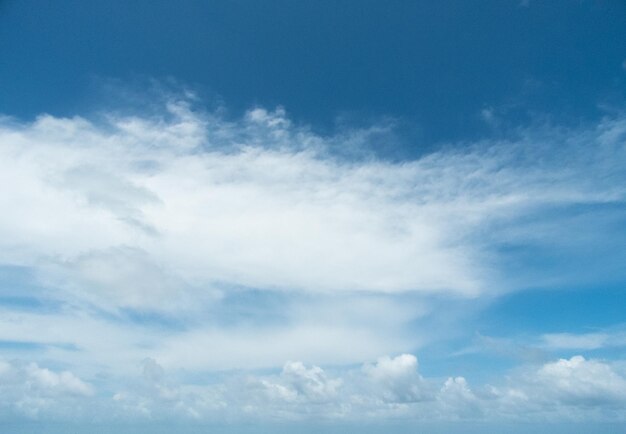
x=435, y=64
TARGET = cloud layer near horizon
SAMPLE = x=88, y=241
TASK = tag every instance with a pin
x=574, y=389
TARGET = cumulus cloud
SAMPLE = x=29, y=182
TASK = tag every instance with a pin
x=562, y=390
x=580, y=381
x=32, y=391
x=310, y=382
x=457, y=400
x=397, y=379
x=565, y=389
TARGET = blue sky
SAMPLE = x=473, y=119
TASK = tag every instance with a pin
x=313, y=216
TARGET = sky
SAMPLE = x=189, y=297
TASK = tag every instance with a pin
x=296, y=217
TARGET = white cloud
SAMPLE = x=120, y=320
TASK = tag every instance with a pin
x=310, y=382
x=392, y=387
x=32, y=391
x=214, y=346
x=201, y=201
x=63, y=382
x=584, y=341
x=587, y=341
x=254, y=216
x=576, y=389
x=295, y=390
x=172, y=218
x=397, y=379
x=458, y=400
x=581, y=381
x=563, y=390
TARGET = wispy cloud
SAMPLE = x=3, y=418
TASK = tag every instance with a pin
x=585, y=341
x=274, y=210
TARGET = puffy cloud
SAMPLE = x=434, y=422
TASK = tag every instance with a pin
x=565, y=389
x=63, y=382
x=32, y=391
x=458, y=400
x=156, y=396
x=296, y=392
x=397, y=379
x=562, y=390
x=581, y=382
x=311, y=383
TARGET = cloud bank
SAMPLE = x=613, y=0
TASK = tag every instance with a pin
x=201, y=244
x=563, y=390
